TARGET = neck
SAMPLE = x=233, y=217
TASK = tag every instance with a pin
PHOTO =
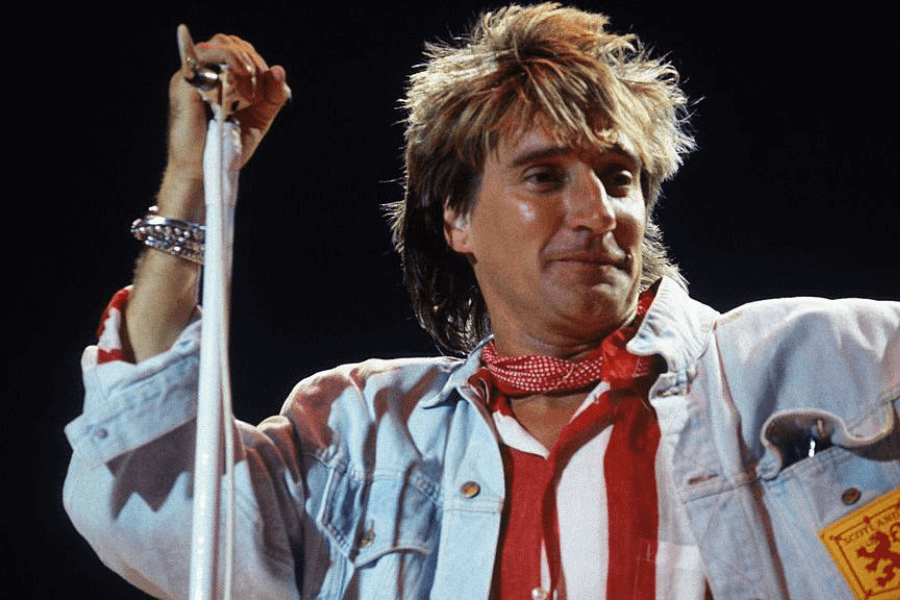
x=517, y=341
x=544, y=415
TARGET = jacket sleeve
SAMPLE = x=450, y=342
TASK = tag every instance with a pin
x=129, y=485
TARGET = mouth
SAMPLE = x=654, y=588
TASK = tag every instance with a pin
x=589, y=271
x=589, y=259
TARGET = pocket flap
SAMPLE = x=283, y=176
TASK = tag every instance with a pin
x=790, y=436
x=368, y=518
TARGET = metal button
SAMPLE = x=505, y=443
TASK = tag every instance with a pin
x=850, y=496
x=368, y=537
x=539, y=593
x=101, y=434
x=470, y=489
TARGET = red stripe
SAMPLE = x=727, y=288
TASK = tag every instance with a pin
x=519, y=552
x=107, y=353
x=630, y=468
x=106, y=356
x=119, y=302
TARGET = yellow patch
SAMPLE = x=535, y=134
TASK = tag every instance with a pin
x=865, y=545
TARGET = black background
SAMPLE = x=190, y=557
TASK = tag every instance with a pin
x=790, y=193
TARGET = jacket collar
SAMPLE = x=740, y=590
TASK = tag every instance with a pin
x=676, y=327
x=459, y=378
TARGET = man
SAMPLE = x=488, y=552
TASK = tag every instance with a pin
x=606, y=436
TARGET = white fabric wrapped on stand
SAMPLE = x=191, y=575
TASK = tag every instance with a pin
x=221, y=167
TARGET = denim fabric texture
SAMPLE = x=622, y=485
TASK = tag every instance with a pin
x=384, y=479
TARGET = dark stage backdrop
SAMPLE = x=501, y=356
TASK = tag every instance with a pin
x=790, y=193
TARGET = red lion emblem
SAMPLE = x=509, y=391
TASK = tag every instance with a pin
x=881, y=552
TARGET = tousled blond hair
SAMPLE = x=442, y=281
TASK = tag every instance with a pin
x=518, y=68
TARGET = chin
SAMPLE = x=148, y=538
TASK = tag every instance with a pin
x=599, y=311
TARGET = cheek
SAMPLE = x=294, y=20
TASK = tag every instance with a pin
x=515, y=222
x=631, y=223
x=526, y=214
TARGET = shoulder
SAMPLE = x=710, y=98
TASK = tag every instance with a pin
x=840, y=355
x=362, y=393
x=375, y=375
x=803, y=321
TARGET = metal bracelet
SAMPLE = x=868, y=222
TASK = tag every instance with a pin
x=173, y=236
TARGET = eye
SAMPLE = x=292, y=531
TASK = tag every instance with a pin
x=618, y=181
x=545, y=178
x=622, y=179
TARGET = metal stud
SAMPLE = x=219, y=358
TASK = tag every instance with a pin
x=539, y=593
x=470, y=489
x=368, y=537
x=850, y=496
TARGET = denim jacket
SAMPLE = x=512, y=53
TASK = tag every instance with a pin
x=384, y=479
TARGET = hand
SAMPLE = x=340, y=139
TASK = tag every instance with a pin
x=259, y=91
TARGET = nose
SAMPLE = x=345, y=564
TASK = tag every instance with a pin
x=589, y=206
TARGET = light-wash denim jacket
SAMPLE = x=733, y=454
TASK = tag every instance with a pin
x=384, y=480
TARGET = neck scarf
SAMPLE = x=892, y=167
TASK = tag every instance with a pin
x=534, y=374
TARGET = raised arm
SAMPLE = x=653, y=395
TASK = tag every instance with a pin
x=165, y=286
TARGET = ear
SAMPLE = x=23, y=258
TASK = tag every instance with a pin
x=457, y=230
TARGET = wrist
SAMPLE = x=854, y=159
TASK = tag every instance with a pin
x=180, y=238
x=181, y=196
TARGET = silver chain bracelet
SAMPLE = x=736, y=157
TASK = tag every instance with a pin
x=173, y=236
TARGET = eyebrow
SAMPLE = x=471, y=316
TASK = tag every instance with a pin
x=539, y=154
x=556, y=151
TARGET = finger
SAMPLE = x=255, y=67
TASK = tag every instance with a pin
x=192, y=69
x=232, y=58
x=232, y=52
x=252, y=58
x=257, y=119
x=275, y=88
x=273, y=94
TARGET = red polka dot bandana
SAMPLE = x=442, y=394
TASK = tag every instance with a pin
x=533, y=374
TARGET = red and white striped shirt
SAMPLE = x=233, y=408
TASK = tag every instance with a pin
x=593, y=516
x=581, y=498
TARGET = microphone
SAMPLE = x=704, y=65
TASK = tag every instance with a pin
x=203, y=77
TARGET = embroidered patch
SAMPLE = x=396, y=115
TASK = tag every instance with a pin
x=865, y=545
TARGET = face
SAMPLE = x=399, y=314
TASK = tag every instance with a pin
x=555, y=241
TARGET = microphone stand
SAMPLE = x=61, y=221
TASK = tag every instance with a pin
x=215, y=436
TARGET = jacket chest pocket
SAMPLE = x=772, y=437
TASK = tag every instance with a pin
x=816, y=496
x=826, y=469
x=387, y=528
